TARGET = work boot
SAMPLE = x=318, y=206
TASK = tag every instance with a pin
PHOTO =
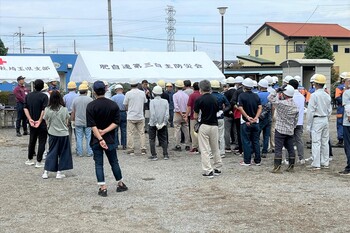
x=290, y=168
x=276, y=169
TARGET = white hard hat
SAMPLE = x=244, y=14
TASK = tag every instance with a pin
x=275, y=79
x=255, y=83
x=239, y=79
x=157, y=90
x=269, y=79
x=230, y=80
x=345, y=75
x=263, y=83
x=248, y=82
x=289, y=90
x=312, y=79
x=287, y=79
x=297, y=77
x=118, y=86
x=134, y=82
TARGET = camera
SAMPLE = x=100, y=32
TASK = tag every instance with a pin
x=281, y=89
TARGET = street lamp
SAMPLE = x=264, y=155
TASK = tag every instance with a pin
x=222, y=11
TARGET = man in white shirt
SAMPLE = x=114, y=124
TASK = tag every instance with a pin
x=134, y=102
x=318, y=113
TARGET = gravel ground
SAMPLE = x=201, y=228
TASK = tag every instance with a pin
x=171, y=196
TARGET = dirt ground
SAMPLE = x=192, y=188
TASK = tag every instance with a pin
x=171, y=196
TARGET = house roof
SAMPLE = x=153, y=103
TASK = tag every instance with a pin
x=256, y=60
x=304, y=30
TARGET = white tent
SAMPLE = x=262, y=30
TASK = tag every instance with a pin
x=152, y=66
x=30, y=67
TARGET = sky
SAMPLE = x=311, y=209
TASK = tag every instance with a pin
x=140, y=25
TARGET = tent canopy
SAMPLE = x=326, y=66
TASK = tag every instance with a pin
x=126, y=66
x=30, y=67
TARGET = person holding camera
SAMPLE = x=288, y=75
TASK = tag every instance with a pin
x=286, y=120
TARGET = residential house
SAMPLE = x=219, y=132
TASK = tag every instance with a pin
x=275, y=42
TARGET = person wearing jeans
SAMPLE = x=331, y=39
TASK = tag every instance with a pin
x=102, y=115
x=81, y=132
x=119, y=99
x=249, y=105
x=78, y=118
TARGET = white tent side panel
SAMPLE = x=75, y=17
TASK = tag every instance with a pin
x=30, y=67
x=152, y=66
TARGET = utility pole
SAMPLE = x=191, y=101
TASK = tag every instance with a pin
x=171, y=29
x=75, y=47
x=19, y=34
x=43, y=33
x=110, y=25
x=194, y=45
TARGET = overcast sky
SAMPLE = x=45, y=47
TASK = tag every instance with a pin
x=140, y=24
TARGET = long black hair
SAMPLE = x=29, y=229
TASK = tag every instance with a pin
x=56, y=101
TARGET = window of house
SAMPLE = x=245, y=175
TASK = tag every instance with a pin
x=300, y=48
x=347, y=50
x=267, y=31
x=277, y=49
x=257, y=53
x=261, y=50
x=335, y=48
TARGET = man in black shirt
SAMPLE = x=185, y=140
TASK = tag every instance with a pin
x=205, y=109
x=34, y=106
x=102, y=115
x=250, y=108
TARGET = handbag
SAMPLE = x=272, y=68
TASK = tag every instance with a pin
x=196, y=126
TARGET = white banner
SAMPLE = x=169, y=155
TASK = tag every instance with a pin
x=30, y=67
x=126, y=66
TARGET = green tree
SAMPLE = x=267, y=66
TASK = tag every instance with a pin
x=318, y=48
x=3, y=50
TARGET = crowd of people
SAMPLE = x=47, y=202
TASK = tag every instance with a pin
x=207, y=118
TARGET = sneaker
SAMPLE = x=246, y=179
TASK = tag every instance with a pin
x=242, y=163
x=18, y=134
x=286, y=162
x=309, y=159
x=264, y=155
x=223, y=156
x=121, y=188
x=340, y=143
x=276, y=169
x=90, y=155
x=25, y=133
x=257, y=164
x=124, y=148
x=331, y=158
x=217, y=172
x=39, y=164
x=166, y=157
x=312, y=168
x=302, y=161
x=29, y=162
x=153, y=158
x=271, y=151
x=228, y=151
x=102, y=192
x=210, y=175
x=177, y=148
x=45, y=175
x=344, y=173
x=130, y=152
x=194, y=151
x=324, y=167
x=60, y=176
x=143, y=151
x=187, y=148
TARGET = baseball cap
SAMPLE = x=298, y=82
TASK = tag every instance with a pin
x=99, y=85
x=20, y=78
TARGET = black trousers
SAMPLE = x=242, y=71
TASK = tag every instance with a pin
x=162, y=137
x=288, y=142
x=21, y=118
x=35, y=133
x=59, y=157
x=239, y=137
